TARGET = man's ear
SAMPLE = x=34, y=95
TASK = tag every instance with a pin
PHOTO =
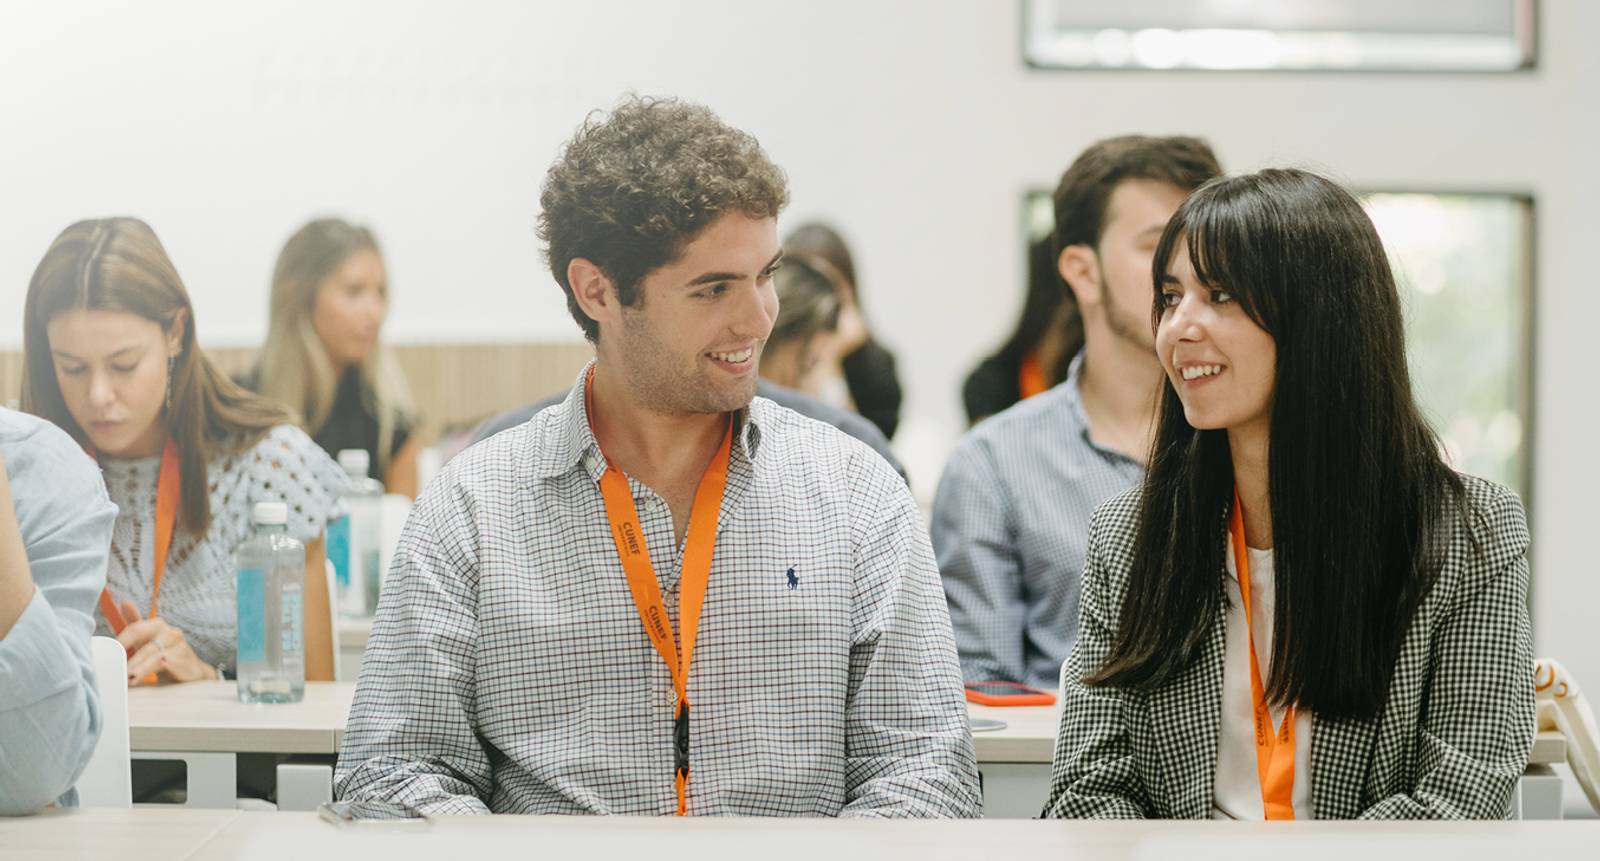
x=593, y=290
x=1079, y=266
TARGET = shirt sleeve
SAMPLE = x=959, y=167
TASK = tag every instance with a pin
x=974, y=541
x=411, y=737
x=287, y=465
x=1094, y=774
x=1476, y=738
x=49, y=705
x=907, y=742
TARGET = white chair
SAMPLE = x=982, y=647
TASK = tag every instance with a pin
x=1061, y=707
x=107, y=781
x=1562, y=707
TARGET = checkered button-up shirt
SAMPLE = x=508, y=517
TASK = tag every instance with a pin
x=1010, y=525
x=508, y=670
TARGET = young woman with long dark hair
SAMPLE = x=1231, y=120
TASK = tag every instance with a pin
x=1036, y=356
x=1303, y=612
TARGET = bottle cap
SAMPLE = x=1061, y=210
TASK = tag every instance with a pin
x=355, y=462
x=271, y=514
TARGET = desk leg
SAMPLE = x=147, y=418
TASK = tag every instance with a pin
x=1014, y=790
x=211, y=777
x=1538, y=794
x=304, y=786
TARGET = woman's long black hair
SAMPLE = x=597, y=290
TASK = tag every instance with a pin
x=1357, y=485
x=1046, y=294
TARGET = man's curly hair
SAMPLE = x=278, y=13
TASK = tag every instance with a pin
x=635, y=186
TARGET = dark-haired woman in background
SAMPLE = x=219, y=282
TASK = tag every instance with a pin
x=869, y=367
x=1040, y=350
x=1303, y=612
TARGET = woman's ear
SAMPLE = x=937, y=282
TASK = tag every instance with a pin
x=175, y=332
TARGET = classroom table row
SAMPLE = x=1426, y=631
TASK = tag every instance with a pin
x=205, y=725
x=149, y=834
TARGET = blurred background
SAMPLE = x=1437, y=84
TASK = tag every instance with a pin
x=929, y=133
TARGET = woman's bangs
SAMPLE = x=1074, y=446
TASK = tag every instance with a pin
x=1224, y=253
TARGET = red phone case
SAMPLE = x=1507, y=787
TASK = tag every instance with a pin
x=1024, y=696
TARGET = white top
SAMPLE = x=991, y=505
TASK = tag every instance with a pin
x=1237, y=792
x=197, y=588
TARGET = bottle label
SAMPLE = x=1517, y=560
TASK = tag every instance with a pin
x=252, y=615
x=339, y=549
x=291, y=623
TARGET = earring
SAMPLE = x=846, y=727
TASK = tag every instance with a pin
x=172, y=366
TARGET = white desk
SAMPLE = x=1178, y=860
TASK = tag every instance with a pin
x=207, y=716
x=1015, y=761
x=140, y=834
x=175, y=835
x=205, y=724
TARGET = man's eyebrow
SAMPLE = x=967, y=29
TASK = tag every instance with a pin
x=715, y=277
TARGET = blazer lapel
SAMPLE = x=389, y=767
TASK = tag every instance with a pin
x=1185, y=719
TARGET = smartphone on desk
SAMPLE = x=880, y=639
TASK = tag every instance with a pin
x=1007, y=694
x=366, y=813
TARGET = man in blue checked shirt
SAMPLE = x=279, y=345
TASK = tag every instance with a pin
x=664, y=594
x=55, y=535
x=1011, y=516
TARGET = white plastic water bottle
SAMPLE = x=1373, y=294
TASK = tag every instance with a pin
x=270, y=587
x=353, y=539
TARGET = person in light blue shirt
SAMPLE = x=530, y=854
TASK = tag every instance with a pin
x=1011, y=516
x=55, y=534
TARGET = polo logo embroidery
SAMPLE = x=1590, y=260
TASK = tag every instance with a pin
x=794, y=582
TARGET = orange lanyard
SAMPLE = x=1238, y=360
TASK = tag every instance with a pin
x=629, y=537
x=1031, y=380
x=167, y=492
x=1274, y=751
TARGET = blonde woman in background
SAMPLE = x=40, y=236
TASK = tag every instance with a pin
x=322, y=359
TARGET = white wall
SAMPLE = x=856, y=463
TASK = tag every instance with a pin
x=914, y=125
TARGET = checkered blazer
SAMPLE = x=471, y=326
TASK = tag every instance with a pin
x=1450, y=742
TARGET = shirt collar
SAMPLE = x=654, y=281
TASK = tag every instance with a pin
x=1074, y=396
x=568, y=441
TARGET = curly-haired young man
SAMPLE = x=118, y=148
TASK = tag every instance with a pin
x=664, y=594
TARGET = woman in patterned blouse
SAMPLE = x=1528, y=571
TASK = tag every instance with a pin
x=110, y=355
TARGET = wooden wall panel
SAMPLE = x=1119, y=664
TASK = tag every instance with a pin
x=455, y=385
